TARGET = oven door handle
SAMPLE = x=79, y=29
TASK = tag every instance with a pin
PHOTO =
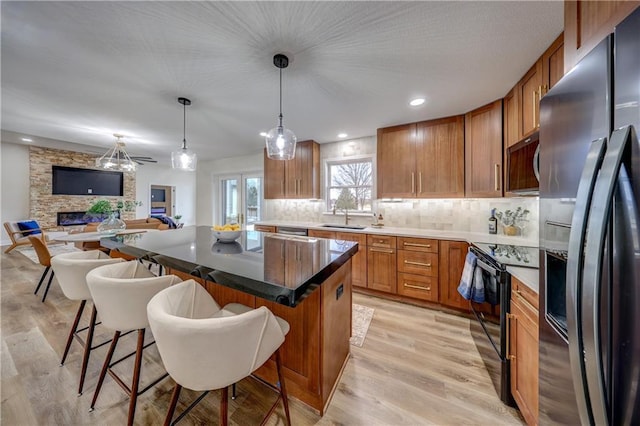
x=490, y=269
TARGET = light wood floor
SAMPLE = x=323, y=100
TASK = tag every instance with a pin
x=416, y=367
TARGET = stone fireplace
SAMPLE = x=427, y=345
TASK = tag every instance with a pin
x=44, y=206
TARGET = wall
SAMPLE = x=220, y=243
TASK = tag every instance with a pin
x=207, y=203
x=183, y=182
x=43, y=205
x=14, y=184
x=461, y=214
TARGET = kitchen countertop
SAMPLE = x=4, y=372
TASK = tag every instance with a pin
x=257, y=263
x=528, y=276
x=470, y=237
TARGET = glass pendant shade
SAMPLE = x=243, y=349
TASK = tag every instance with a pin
x=281, y=144
x=116, y=158
x=184, y=159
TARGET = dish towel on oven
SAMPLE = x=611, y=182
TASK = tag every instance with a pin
x=471, y=284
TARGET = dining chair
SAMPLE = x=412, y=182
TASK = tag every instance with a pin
x=44, y=257
x=121, y=292
x=71, y=270
x=204, y=347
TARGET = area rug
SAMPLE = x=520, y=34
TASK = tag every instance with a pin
x=53, y=249
x=361, y=320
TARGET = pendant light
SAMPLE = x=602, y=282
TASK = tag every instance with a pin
x=116, y=158
x=184, y=159
x=281, y=142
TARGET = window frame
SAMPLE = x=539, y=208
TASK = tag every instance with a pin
x=371, y=158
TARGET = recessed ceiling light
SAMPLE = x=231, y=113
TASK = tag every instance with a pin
x=416, y=102
x=263, y=134
x=342, y=135
x=27, y=140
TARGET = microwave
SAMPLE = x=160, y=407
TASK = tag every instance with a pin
x=523, y=166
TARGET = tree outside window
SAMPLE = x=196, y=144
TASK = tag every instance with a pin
x=353, y=177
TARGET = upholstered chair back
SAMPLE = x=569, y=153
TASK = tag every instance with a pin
x=121, y=292
x=72, y=269
x=203, y=347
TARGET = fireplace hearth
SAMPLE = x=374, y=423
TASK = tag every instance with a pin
x=81, y=218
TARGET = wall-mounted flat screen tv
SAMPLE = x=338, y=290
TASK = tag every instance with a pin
x=76, y=181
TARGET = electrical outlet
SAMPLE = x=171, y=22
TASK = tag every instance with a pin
x=339, y=291
x=89, y=191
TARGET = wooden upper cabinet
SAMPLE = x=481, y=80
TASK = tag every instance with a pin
x=553, y=64
x=422, y=160
x=483, y=151
x=529, y=94
x=297, y=178
x=512, y=133
x=440, y=158
x=274, y=184
x=586, y=23
x=396, y=161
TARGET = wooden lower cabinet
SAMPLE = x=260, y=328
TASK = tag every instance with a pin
x=452, y=258
x=359, y=260
x=418, y=286
x=523, y=350
x=265, y=228
x=381, y=263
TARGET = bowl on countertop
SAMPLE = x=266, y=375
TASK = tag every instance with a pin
x=227, y=236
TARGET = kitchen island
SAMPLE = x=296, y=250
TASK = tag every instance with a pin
x=306, y=281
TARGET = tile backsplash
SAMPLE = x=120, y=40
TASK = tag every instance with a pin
x=457, y=214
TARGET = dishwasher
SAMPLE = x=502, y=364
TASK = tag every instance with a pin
x=288, y=230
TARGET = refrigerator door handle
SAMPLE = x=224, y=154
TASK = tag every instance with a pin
x=592, y=282
x=575, y=261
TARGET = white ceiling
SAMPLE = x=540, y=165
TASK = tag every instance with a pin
x=81, y=71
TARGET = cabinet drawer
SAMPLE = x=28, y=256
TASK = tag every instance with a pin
x=528, y=312
x=525, y=292
x=265, y=228
x=383, y=241
x=418, y=244
x=361, y=239
x=418, y=287
x=417, y=262
x=330, y=235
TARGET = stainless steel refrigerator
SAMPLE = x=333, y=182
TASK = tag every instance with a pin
x=590, y=239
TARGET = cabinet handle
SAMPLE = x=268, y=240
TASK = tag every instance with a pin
x=416, y=245
x=408, y=262
x=381, y=250
x=509, y=318
x=413, y=183
x=282, y=186
x=526, y=302
x=417, y=287
x=419, y=182
x=496, y=177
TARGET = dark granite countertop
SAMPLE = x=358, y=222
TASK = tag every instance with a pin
x=281, y=268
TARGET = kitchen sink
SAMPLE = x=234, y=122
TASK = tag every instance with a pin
x=335, y=225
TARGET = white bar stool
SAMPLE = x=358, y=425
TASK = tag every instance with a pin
x=121, y=293
x=204, y=347
x=71, y=270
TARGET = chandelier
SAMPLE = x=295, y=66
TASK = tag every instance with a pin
x=117, y=158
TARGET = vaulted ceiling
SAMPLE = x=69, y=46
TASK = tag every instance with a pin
x=81, y=71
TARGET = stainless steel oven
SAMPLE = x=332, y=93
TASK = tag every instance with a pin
x=489, y=331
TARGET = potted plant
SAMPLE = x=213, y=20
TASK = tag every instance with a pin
x=100, y=207
x=513, y=221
